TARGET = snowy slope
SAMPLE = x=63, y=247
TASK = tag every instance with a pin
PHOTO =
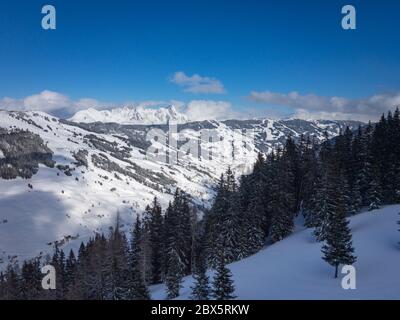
x=294, y=269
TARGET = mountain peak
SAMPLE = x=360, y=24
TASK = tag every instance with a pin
x=130, y=114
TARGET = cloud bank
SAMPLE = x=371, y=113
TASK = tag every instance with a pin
x=50, y=102
x=312, y=106
x=197, y=83
x=198, y=110
x=61, y=105
x=309, y=106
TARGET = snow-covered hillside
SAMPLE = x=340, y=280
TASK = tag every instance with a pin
x=102, y=168
x=293, y=268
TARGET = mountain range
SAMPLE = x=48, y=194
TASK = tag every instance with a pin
x=63, y=180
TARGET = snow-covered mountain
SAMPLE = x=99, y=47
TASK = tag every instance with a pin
x=293, y=268
x=62, y=181
x=130, y=115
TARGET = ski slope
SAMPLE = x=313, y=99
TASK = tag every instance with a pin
x=294, y=269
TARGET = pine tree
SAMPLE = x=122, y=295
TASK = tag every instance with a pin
x=12, y=283
x=338, y=247
x=156, y=241
x=117, y=254
x=213, y=223
x=30, y=285
x=70, y=270
x=58, y=262
x=201, y=289
x=178, y=231
x=223, y=287
x=282, y=204
x=322, y=208
x=173, y=278
x=138, y=288
x=374, y=195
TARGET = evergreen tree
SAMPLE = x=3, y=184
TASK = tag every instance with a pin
x=30, y=283
x=173, y=278
x=223, y=287
x=213, y=222
x=338, y=247
x=374, y=195
x=156, y=240
x=118, y=251
x=138, y=288
x=12, y=283
x=322, y=207
x=201, y=289
x=282, y=203
x=70, y=270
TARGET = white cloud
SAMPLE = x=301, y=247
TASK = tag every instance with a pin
x=314, y=106
x=61, y=105
x=51, y=102
x=197, y=83
x=198, y=110
x=46, y=101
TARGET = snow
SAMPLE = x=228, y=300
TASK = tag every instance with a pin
x=59, y=206
x=130, y=115
x=293, y=268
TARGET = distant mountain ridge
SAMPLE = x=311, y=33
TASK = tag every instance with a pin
x=130, y=115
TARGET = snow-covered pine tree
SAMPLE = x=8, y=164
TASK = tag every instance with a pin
x=223, y=286
x=359, y=153
x=229, y=226
x=58, y=262
x=30, y=286
x=184, y=229
x=156, y=240
x=146, y=258
x=374, y=195
x=12, y=283
x=213, y=223
x=338, y=248
x=137, y=285
x=201, y=289
x=323, y=206
x=70, y=270
x=282, y=195
x=252, y=226
x=310, y=175
x=118, y=251
x=175, y=272
x=178, y=231
x=255, y=219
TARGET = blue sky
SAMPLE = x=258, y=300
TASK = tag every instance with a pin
x=274, y=58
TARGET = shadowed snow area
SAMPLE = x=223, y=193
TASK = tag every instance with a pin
x=293, y=268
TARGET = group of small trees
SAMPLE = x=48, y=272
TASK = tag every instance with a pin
x=161, y=248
